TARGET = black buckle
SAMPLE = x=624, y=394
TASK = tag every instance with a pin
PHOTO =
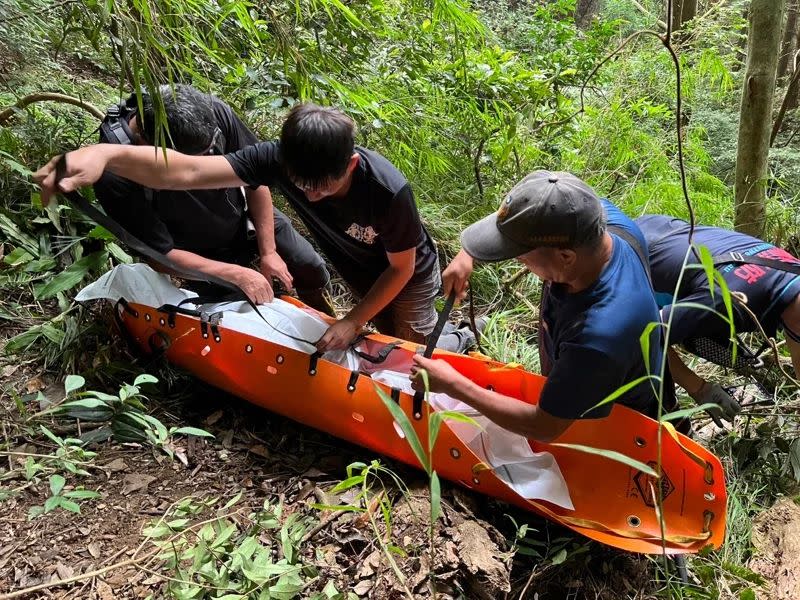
x=416, y=410
x=214, y=322
x=127, y=307
x=312, y=363
x=396, y=395
x=351, y=384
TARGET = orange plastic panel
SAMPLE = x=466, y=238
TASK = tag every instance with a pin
x=614, y=503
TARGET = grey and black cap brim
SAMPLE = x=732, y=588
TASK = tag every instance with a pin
x=483, y=241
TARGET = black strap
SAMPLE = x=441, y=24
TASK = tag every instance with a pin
x=382, y=354
x=433, y=338
x=637, y=247
x=772, y=263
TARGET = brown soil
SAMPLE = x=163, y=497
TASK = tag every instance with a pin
x=776, y=538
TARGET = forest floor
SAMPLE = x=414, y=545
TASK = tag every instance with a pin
x=269, y=459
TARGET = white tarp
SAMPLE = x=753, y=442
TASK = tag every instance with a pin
x=533, y=475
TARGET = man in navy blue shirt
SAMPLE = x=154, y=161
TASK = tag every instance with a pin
x=598, y=301
x=772, y=295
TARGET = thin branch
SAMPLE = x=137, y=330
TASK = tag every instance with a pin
x=646, y=12
x=791, y=90
x=9, y=112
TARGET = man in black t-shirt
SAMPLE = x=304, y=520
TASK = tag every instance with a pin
x=207, y=229
x=358, y=207
x=772, y=295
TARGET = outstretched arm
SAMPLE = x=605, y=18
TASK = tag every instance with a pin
x=509, y=413
x=145, y=165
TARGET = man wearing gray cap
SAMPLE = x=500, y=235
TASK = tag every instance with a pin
x=597, y=303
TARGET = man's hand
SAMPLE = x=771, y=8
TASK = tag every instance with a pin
x=455, y=278
x=84, y=167
x=726, y=407
x=442, y=378
x=272, y=265
x=339, y=335
x=253, y=283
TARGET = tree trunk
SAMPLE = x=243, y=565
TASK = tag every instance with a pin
x=585, y=11
x=755, y=117
x=682, y=11
x=793, y=99
x=789, y=39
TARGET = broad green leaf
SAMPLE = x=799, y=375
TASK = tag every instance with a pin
x=72, y=383
x=70, y=506
x=611, y=455
x=348, y=483
x=144, y=378
x=560, y=557
x=193, y=431
x=411, y=435
x=52, y=503
x=56, y=484
x=81, y=494
x=18, y=256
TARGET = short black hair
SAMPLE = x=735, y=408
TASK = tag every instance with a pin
x=190, y=119
x=316, y=144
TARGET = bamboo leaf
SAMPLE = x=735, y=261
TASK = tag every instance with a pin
x=611, y=455
x=402, y=420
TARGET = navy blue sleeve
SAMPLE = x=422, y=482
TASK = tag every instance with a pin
x=580, y=379
x=689, y=322
x=256, y=165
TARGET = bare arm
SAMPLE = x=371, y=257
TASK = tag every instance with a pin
x=252, y=283
x=386, y=287
x=382, y=292
x=509, y=413
x=145, y=165
x=259, y=203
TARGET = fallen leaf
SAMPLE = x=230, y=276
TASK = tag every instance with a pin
x=94, y=549
x=214, y=417
x=363, y=587
x=135, y=482
x=104, y=591
x=115, y=466
x=313, y=472
x=64, y=572
x=9, y=370
x=259, y=450
x=34, y=385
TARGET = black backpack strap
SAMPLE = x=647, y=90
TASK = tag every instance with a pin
x=772, y=263
x=637, y=247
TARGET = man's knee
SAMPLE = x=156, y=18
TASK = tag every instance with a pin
x=310, y=275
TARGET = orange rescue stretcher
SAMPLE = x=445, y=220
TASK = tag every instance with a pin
x=613, y=503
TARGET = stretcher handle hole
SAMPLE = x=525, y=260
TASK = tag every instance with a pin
x=708, y=474
x=248, y=348
x=634, y=521
x=272, y=370
x=162, y=322
x=358, y=417
x=399, y=430
x=205, y=351
x=279, y=359
x=640, y=441
x=146, y=316
x=455, y=453
x=710, y=496
x=708, y=516
x=476, y=481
